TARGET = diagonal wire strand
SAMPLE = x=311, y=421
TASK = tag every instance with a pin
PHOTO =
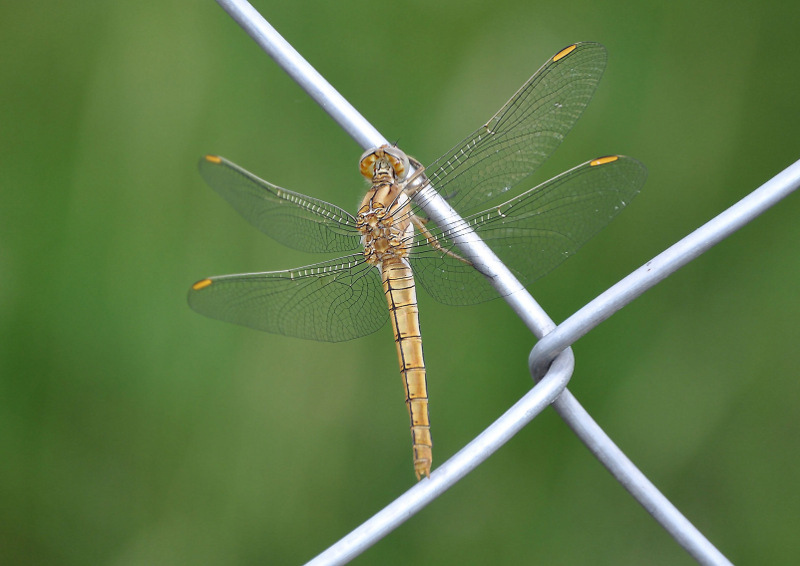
x=551, y=386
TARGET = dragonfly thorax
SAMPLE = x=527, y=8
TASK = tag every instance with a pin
x=384, y=223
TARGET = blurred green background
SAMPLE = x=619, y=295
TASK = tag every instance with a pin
x=134, y=431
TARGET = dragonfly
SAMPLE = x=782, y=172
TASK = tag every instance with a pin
x=389, y=245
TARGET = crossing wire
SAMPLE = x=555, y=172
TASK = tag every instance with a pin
x=551, y=361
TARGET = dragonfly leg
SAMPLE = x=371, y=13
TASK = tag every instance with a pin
x=419, y=168
x=413, y=183
x=420, y=222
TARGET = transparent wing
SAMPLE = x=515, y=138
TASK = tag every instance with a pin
x=523, y=133
x=298, y=221
x=331, y=301
x=533, y=232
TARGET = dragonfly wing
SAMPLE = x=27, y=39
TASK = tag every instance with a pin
x=523, y=133
x=446, y=278
x=293, y=219
x=535, y=231
x=332, y=301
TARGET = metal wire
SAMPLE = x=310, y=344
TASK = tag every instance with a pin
x=666, y=263
x=459, y=465
x=303, y=74
x=551, y=387
x=619, y=295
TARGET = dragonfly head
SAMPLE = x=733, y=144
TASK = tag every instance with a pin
x=382, y=161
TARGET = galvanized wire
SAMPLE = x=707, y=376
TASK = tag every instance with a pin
x=666, y=263
x=551, y=387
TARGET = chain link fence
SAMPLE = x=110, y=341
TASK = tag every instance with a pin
x=551, y=360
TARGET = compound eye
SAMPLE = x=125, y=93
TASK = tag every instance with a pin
x=398, y=160
x=367, y=163
x=389, y=154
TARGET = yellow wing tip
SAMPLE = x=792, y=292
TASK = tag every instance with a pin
x=201, y=284
x=216, y=160
x=603, y=160
x=564, y=52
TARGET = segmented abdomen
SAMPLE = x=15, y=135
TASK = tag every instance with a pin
x=398, y=284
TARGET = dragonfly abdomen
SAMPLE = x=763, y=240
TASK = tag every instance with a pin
x=398, y=284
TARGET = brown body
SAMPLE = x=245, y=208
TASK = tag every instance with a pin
x=550, y=220
x=385, y=223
